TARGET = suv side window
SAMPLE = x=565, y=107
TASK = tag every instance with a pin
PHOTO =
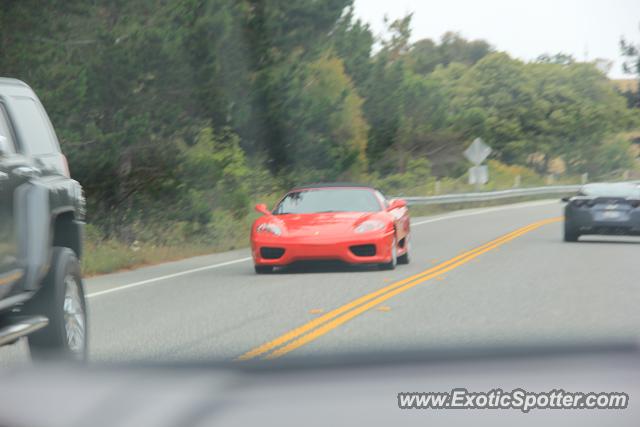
x=5, y=129
x=34, y=130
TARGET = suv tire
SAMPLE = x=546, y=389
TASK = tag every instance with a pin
x=62, y=301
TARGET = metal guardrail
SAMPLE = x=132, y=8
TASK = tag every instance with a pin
x=496, y=195
x=492, y=195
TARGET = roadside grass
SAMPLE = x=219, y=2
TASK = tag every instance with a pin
x=110, y=255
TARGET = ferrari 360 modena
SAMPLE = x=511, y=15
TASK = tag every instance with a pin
x=352, y=223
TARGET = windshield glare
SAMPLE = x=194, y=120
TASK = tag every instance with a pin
x=330, y=200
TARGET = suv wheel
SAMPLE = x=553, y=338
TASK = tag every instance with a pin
x=62, y=301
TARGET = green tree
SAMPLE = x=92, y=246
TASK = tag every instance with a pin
x=325, y=130
x=500, y=87
x=631, y=51
x=558, y=58
x=425, y=56
x=454, y=48
x=353, y=42
x=383, y=94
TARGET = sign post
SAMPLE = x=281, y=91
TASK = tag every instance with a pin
x=477, y=152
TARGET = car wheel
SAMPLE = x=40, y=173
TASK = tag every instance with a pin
x=404, y=258
x=263, y=269
x=570, y=234
x=394, y=257
x=61, y=299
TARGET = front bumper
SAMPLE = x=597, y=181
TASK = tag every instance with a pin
x=262, y=249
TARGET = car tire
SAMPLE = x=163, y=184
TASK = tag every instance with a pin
x=62, y=300
x=570, y=233
x=405, y=258
x=263, y=269
x=394, y=257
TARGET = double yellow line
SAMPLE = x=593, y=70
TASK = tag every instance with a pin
x=318, y=327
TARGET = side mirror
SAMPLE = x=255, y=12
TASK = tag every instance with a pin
x=262, y=208
x=566, y=199
x=397, y=204
x=4, y=146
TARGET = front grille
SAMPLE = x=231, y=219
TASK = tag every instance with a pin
x=363, y=250
x=271, y=253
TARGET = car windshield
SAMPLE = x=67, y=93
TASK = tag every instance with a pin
x=328, y=200
x=611, y=190
x=268, y=180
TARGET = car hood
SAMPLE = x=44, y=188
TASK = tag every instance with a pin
x=323, y=224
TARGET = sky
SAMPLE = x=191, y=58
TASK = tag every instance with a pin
x=523, y=28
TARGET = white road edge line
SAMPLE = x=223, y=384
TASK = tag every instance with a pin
x=168, y=276
x=237, y=261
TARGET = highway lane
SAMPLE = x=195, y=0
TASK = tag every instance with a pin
x=531, y=288
x=535, y=289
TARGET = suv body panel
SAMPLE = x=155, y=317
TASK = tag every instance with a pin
x=39, y=194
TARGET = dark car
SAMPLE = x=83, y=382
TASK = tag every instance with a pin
x=603, y=208
x=41, y=221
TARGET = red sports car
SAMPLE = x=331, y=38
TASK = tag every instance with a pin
x=347, y=222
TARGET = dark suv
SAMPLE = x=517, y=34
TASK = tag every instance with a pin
x=41, y=221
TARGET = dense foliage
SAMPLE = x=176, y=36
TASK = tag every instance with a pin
x=170, y=111
x=631, y=65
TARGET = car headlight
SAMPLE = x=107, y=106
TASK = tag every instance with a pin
x=371, y=225
x=269, y=228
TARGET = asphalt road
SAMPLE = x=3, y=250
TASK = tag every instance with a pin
x=524, y=287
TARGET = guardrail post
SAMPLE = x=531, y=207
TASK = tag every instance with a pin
x=517, y=181
x=585, y=178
